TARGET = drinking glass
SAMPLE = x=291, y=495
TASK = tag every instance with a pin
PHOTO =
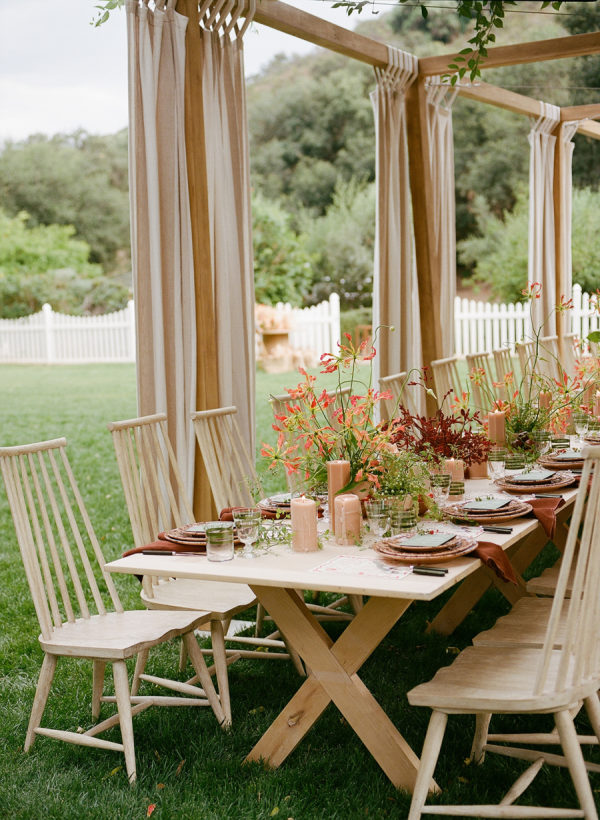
x=403, y=521
x=219, y=541
x=496, y=463
x=247, y=521
x=581, y=422
x=440, y=487
x=378, y=516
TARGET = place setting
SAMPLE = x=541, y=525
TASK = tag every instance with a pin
x=535, y=480
x=490, y=510
x=425, y=547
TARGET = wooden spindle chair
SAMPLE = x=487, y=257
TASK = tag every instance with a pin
x=446, y=379
x=505, y=364
x=77, y=604
x=157, y=500
x=550, y=358
x=550, y=679
x=482, y=387
x=402, y=394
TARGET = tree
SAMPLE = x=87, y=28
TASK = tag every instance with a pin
x=499, y=254
x=282, y=265
x=47, y=264
x=77, y=180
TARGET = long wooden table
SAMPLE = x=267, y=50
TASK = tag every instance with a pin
x=275, y=578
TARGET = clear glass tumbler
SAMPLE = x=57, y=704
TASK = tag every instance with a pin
x=219, y=541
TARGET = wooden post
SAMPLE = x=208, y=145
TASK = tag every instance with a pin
x=428, y=267
x=207, y=384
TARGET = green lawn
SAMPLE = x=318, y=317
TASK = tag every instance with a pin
x=330, y=775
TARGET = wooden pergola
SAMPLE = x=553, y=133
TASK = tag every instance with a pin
x=311, y=28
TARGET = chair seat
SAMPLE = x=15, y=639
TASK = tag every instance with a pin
x=525, y=625
x=545, y=584
x=220, y=600
x=497, y=680
x=120, y=635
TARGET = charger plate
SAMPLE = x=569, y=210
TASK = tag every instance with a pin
x=560, y=463
x=514, y=509
x=562, y=480
x=196, y=537
x=454, y=549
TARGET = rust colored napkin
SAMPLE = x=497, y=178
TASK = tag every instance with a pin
x=544, y=510
x=162, y=544
x=495, y=558
x=226, y=514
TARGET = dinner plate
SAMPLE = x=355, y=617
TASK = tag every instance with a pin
x=560, y=480
x=406, y=543
x=560, y=463
x=462, y=546
x=514, y=509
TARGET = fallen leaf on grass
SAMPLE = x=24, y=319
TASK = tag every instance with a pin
x=113, y=772
x=160, y=785
x=151, y=808
x=179, y=768
x=274, y=811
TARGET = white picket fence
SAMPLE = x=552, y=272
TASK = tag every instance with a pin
x=55, y=338
x=487, y=326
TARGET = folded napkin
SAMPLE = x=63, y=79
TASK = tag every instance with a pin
x=163, y=544
x=544, y=510
x=226, y=514
x=495, y=558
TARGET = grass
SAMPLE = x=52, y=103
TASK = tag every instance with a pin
x=187, y=766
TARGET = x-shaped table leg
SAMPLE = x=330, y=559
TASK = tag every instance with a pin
x=332, y=678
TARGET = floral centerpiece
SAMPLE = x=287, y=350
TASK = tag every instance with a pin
x=320, y=426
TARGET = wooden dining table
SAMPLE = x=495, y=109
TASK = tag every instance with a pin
x=276, y=576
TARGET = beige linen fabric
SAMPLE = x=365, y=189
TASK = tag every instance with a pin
x=395, y=285
x=541, y=262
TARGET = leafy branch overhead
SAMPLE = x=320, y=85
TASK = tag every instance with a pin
x=486, y=17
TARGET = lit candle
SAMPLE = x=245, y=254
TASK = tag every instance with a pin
x=304, y=524
x=338, y=475
x=545, y=400
x=496, y=426
x=348, y=517
x=456, y=468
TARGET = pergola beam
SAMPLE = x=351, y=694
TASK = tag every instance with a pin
x=589, y=128
x=580, y=112
x=315, y=30
x=559, y=48
x=501, y=98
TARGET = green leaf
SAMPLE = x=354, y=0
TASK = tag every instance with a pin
x=465, y=51
x=498, y=23
x=424, y=12
x=594, y=336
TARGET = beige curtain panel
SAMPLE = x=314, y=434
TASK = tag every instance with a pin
x=541, y=261
x=440, y=98
x=163, y=271
x=395, y=286
x=567, y=132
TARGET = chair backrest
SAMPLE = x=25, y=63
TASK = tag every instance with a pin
x=446, y=378
x=230, y=468
x=60, y=551
x=571, y=352
x=278, y=403
x=549, y=358
x=155, y=493
x=395, y=385
x=580, y=653
x=504, y=363
x=479, y=366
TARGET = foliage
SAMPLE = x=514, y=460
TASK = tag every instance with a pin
x=75, y=179
x=320, y=426
x=351, y=319
x=499, y=253
x=342, y=245
x=442, y=435
x=403, y=473
x=282, y=263
x=47, y=264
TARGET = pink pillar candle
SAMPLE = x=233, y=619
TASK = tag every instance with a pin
x=456, y=468
x=338, y=475
x=497, y=426
x=304, y=524
x=545, y=400
x=348, y=517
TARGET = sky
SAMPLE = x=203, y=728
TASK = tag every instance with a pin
x=58, y=73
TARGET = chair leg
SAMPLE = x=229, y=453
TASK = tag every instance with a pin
x=182, y=656
x=592, y=707
x=356, y=602
x=220, y=662
x=260, y=617
x=576, y=764
x=429, y=756
x=140, y=665
x=41, y=697
x=124, y=709
x=199, y=664
x=97, y=687
x=482, y=724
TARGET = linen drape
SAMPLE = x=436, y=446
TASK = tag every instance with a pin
x=566, y=134
x=541, y=258
x=440, y=98
x=395, y=286
x=162, y=263
x=229, y=215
